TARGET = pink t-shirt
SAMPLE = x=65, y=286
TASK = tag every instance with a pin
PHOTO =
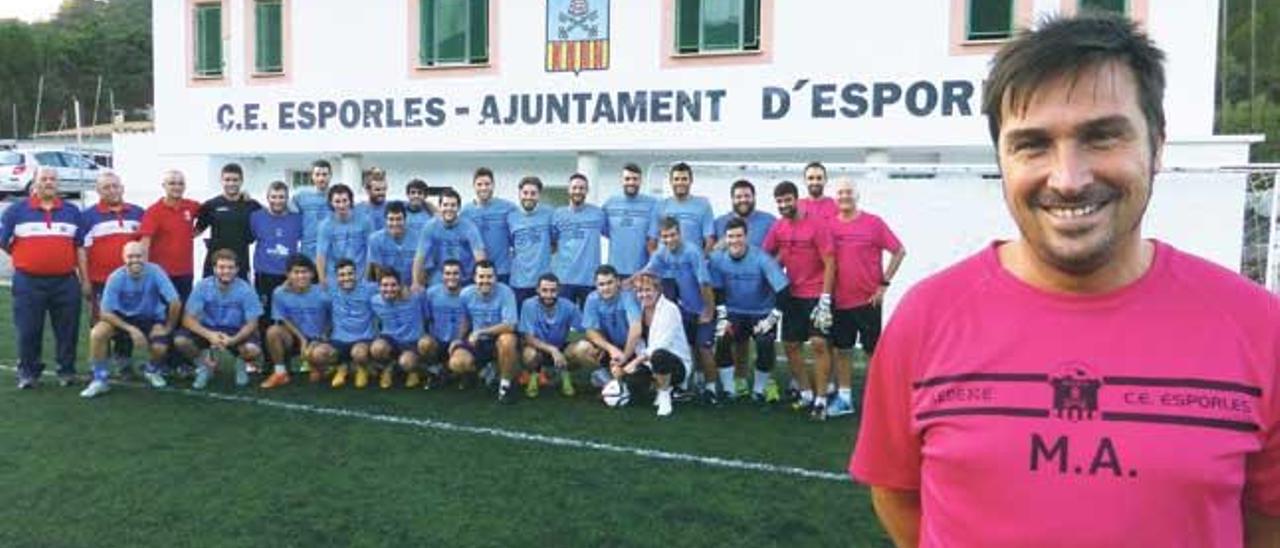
x=822, y=208
x=860, y=245
x=1141, y=417
x=800, y=246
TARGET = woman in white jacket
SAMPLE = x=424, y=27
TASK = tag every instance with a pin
x=663, y=349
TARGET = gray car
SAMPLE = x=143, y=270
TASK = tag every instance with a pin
x=76, y=173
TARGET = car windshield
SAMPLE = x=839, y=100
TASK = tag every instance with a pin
x=8, y=158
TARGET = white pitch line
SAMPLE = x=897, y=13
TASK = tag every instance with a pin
x=558, y=441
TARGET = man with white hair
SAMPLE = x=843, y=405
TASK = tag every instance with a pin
x=861, y=239
x=106, y=228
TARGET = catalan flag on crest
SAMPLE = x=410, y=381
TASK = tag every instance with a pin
x=577, y=35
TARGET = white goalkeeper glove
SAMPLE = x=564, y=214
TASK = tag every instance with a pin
x=767, y=323
x=722, y=321
x=821, y=315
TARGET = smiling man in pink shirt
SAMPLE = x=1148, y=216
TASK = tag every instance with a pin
x=1078, y=386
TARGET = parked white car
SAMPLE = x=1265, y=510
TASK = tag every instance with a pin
x=76, y=173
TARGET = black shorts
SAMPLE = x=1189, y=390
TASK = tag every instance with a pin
x=202, y=344
x=439, y=356
x=484, y=351
x=797, y=326
x=397, y=347
x=856, y=324
x=523, y=294
x=145, y=325
x=699, y=335
x=343, y=349
x=576, y=294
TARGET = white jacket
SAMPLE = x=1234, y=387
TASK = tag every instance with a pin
x=666, y=332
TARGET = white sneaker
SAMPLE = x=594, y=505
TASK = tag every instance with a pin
x=663, y=402
x=242, y=374
x=95, y=388
x=202, y=377
x=155, y=378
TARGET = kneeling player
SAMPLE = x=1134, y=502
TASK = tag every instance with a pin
x=545, y=322
x=221, y=314
x=664, y=353
x=746, y=281
x=138, y=300
x=611, y=318
x=301, y=312
x=351, y=307
x=491, y=307
x=399, y=314
x=446, y=319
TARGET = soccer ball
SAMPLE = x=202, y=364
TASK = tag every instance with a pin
x=615, y=394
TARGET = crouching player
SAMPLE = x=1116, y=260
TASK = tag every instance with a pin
x=399, y=314
x=446, y=319
x=491, y=308
x=351, y=308
x=221, y=314
x=545, y=322
x=301, y=312
x=138, y=300
x=664, y=353
x=611, y=318
x=746, y=282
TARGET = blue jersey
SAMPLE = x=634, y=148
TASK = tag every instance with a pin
x=308, y=311
x=758, y=223
x=147, y=296
x=230, y=309
x=401, y=319
x=694, y=215
x=749, y=283
x=445, y=313
x=688, y=269
x=491, y=220
x=352, y=312
x=498, y=307
x=314, y=207
x=629, y=218
x=440, y=242
x=375, y=214
x=343, y=240
x=386, y=251
x=550, y=326
x=531, y=245
x=416, y=221
x=611, y=317
x=277, y=236
x=577, y=233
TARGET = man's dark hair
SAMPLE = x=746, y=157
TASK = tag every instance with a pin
x=668, y=223
x=742, y=183
x=296, y=260
x=449, y=192
x=548, y=277
x=814, y=164
x=784, y=188
x=681, y=166
x=450, y=262
x=395, y=207
x=579, y=176
x=482, y=172
x=233, y=168
x=340, y=189
x=735, y=222
x=530, y=180
x=416, y=184
x=1068, y=47
x=278, y=186
x=388, y=272
x=343, y=263
x=606, y=270
x=632, y=167
x=322, y=164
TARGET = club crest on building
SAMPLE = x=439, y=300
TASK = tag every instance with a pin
x=1075, y=392
x=577, y=35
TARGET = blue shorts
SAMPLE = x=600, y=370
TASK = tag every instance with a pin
x=699, y=335
x=202, y=344
x=145, y=325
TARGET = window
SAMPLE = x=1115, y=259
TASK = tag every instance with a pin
x=299, y=178
x=990, y=19
x=1114, y=6
x=554, y=196
x=453, y=32
x=49, y=159
x=268, y=37
x=711, y=26
x=208, y=38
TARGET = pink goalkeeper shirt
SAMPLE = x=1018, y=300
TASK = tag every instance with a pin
x=860, y=245
x=799, y=246
x=1142, y=417
x=824, y=208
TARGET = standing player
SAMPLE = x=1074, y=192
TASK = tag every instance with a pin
x=446, y=318
x=141, y=303
x=419, y=211
x=226, y=216
x=105, y=229
x=747, y=282
x=447, y=237
x=664, y=351
x=817, y=205
x=277, y=233
x=545, y=322
x=313, y=204
x=611, y=318
x=758, y=222
x=222, y=314
x=392, y=247
x=630, y=216
x=489, y=214
x=576, y=231
x=803, y=246
x=531, y=238
x=344, y=235
x=301, y=312
x=351, y=310
x=168, y=232
x=374, y=209
x=684, y=267
x=860, y=240
x=697, y=223
x=400, y=318
x=491, y=309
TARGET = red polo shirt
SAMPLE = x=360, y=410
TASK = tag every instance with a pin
x=171, y=228
x=106, y=230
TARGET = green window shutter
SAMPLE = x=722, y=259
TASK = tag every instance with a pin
x=426, y=32
x=1114, y=6
x=479, y=34
x=688, y=21
x=990, y=19
x=451, y=22
x=722, y=25
x=208, y=38
x=751, y=24
x=268, y=45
